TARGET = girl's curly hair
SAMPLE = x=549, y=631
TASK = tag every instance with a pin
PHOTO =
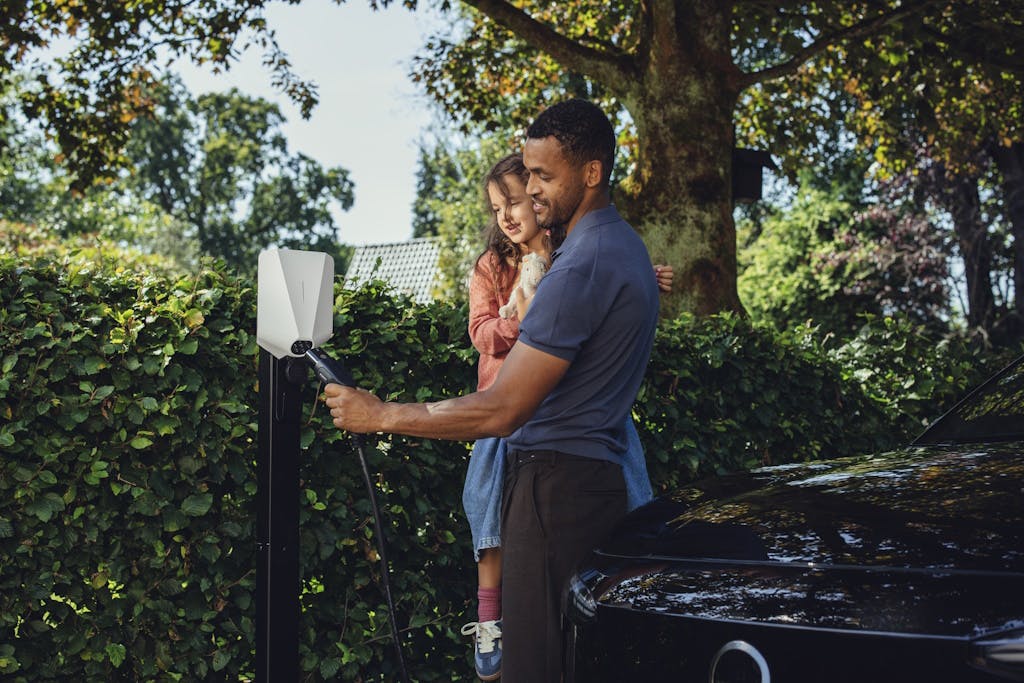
x=504, y=254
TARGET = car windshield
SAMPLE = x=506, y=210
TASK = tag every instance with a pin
x=993, y=412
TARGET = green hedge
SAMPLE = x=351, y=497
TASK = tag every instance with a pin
x=127, y=484
x=128, y=429
x=724, y=394
x=127, y=473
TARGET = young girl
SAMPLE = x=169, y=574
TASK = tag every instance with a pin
x=511, y=234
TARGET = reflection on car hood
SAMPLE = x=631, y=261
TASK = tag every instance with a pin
x=925, y=508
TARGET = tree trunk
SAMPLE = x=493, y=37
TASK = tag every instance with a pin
x=972, y=236
x=1010, y=161
x=682, y=107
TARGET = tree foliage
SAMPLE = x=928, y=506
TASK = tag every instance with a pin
x=678, y=69
x=209, y=175
x=675, y=70
x=35, y=189
x=96, y=64
x=220, y=164
x=940, y=97
x=830, y=260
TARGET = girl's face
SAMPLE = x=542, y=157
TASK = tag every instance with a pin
x=515, y=214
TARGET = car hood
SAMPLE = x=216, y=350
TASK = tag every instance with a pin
x=926, y=508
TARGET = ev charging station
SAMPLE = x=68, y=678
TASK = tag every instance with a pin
x=294, y=313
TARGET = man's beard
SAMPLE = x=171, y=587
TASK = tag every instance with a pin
x=559, y=213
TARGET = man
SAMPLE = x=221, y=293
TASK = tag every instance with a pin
x=564, y=391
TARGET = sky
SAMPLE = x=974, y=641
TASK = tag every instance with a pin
x=370, y=114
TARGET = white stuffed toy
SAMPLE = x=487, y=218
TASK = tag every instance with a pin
x=531, y=271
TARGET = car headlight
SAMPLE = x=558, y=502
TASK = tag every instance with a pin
x=580, y=605
x=1002, y=654
x=739, y=662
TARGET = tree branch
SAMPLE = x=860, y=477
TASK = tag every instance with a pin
x=858, y=30
x=611, y=70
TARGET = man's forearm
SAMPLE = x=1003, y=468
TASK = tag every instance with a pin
x=474, y=416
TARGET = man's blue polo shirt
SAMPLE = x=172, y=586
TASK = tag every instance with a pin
x=597, y=308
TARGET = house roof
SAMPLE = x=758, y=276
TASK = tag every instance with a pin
x=409, y=267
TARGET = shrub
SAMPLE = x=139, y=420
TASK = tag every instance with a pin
x=127, y=486
x=724, y=394
x=127, y=472
x=912, y=372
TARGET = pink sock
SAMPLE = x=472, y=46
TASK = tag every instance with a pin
x=490, y=604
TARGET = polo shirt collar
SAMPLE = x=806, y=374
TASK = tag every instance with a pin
x=594, y=218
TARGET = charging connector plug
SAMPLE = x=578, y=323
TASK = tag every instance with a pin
x=328, y=370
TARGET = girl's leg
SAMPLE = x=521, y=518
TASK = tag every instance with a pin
x=489, y=584
x=481, y=497
x=489, y=568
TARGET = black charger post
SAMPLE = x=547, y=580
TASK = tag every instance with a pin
x=277, y=520
x=295, y=297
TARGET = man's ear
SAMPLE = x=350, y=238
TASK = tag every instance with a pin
x=592, y=173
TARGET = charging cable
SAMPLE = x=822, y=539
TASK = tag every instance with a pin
x=331, y=371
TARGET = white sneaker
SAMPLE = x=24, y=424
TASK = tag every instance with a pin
x=486, y=648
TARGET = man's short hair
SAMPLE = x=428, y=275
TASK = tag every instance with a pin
x=582, y=129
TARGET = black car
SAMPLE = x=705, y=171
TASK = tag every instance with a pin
x=904, y=566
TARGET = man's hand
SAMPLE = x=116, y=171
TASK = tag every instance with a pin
x=355, y=410
x=522, y=302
